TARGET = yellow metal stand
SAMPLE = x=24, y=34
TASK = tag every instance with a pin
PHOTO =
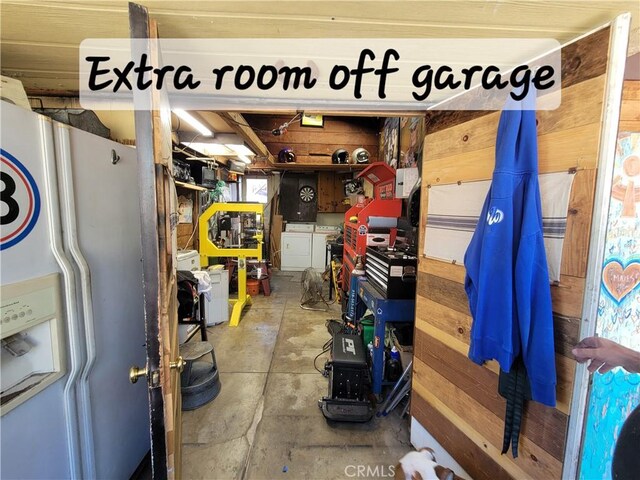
x=210, y=249
x=243, y=298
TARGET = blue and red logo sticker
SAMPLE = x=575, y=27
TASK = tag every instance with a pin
x=19, y=201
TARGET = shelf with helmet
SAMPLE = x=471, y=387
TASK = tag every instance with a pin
x=360, y=156
x=341, y=159
x=306, y=167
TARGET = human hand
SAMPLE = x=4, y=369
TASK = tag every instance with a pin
x=605, y=355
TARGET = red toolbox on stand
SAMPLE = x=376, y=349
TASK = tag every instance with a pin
x=382, y=206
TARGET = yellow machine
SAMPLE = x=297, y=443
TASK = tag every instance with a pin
x=238, y=233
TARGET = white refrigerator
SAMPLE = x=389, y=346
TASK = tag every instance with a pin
x=71, y=316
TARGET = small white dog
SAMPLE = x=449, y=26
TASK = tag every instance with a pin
x=421, y=465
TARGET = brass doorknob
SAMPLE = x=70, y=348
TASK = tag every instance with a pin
x=178, y=364
x=136, y=372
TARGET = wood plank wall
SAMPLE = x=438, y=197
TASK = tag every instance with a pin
x=630, y=110
x=453, y=398
x=187, y=239
x=331, y=192
x=314, y=146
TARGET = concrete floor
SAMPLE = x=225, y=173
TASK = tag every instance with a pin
x=266, y=424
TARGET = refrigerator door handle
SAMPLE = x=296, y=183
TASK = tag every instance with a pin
x=67, y=194
x=73, y=329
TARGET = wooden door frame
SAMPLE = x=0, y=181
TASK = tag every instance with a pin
x=158, y=263
x=139, y=25
x=618, y=43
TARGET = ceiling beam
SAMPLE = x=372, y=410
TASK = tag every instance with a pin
x=238, y=123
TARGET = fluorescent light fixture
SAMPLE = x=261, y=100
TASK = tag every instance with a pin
x=244, y=158
x=194, y=122
x=222, y=144
x=210, y=148
x=235, y=142
x=240, y=149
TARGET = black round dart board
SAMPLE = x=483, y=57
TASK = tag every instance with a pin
x=307, y=194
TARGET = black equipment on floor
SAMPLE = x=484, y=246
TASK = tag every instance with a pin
x=187, y=294
x=191, y=309
x=349, y=383
x=401, y=390
x=392, y=272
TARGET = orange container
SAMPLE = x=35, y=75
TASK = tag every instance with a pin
x=253, y=287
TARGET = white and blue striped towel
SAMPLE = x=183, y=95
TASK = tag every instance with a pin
x=454, y=209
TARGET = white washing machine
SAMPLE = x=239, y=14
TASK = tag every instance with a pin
x=319, y=252
x=319, y=257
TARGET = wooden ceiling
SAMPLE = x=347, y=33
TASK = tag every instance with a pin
x=40, y=39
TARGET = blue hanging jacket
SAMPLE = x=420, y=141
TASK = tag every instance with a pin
x=507, y=281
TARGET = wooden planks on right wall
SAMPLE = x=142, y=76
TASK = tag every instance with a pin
x=630, y=110
x=456, y=400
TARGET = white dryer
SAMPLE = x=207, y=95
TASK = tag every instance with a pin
x=296, y=251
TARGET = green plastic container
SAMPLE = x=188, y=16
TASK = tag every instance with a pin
x=367, y=329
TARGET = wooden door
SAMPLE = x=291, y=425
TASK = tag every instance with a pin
x=158, y=220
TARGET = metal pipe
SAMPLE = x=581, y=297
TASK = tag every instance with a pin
x=406, y=374
x=398, y=398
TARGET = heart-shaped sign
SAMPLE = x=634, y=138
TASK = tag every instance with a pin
x=620, y=281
